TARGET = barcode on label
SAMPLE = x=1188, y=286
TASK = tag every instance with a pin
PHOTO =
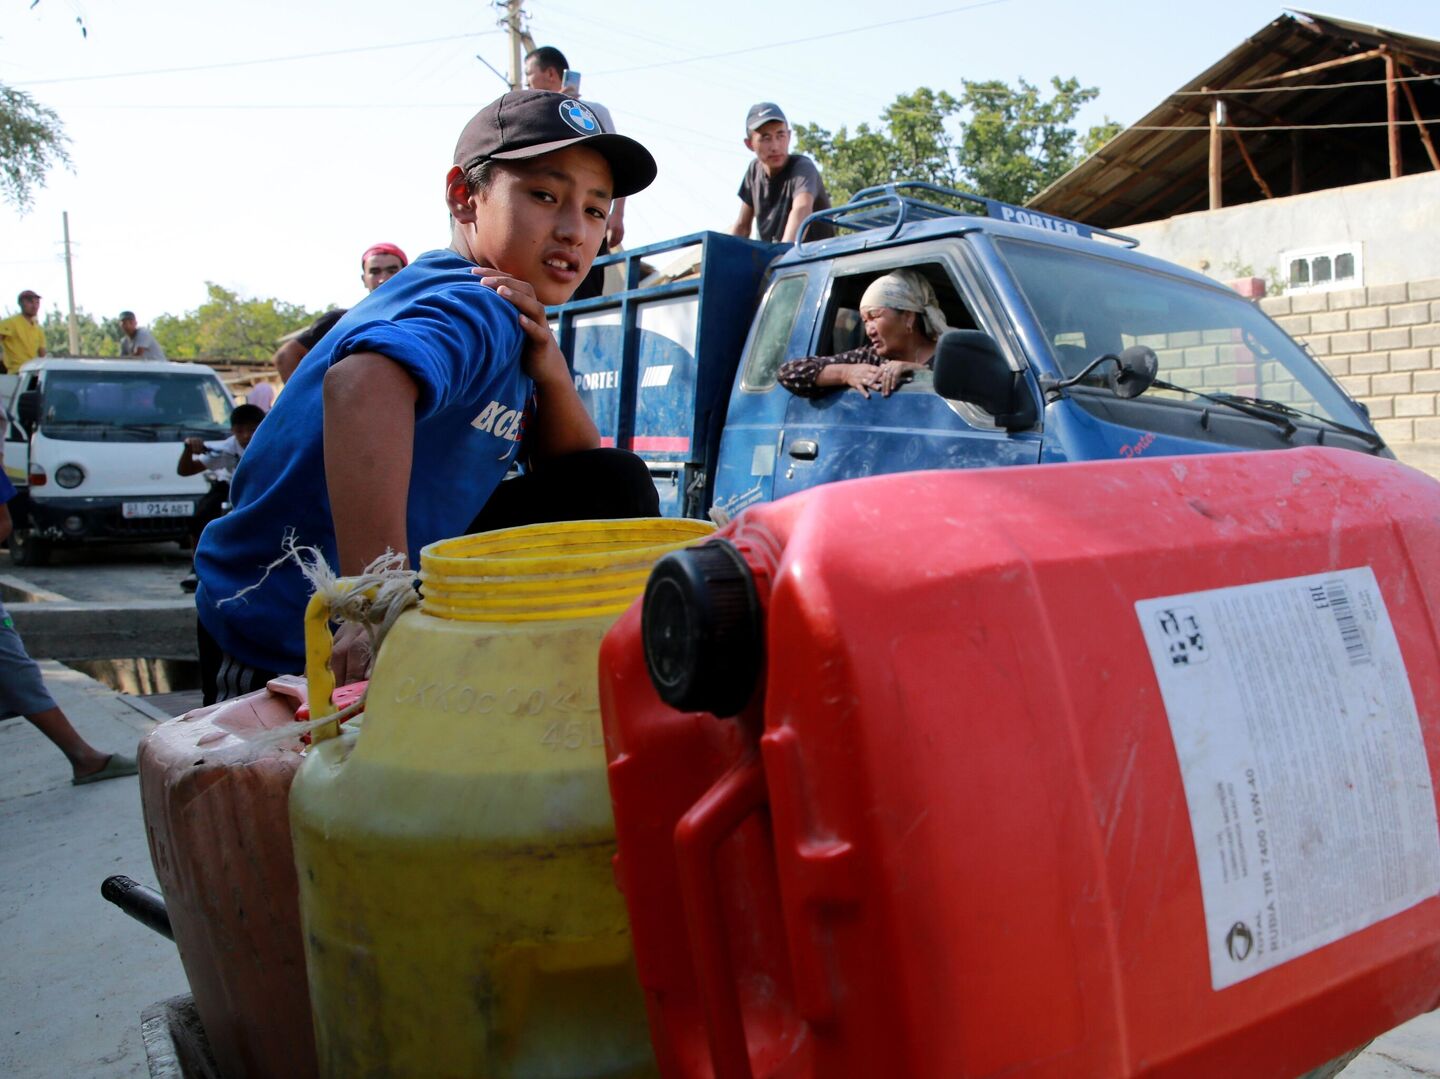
x=1338, y=597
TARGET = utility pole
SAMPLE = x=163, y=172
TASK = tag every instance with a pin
x=70, y=287
x=513, y=14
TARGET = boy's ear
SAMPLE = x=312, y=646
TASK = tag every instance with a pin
x=748, y=144
x=457, y=197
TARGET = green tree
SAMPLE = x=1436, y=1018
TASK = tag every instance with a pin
x=1002, y=142
x=32, y=142
x=228, y=326
x=97, y=337
x=912, y=143
x=1016, y=142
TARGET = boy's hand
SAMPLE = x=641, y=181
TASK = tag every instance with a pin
x=195, y=445
x=350, y=654
x=542, y=360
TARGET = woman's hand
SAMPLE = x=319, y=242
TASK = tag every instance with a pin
x=858, y=376
x=542, y=359
x=895, y=373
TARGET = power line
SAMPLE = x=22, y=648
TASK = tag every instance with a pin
x=809, y=38
x=267, y=60
x=1204, y=129
x=1312, y=86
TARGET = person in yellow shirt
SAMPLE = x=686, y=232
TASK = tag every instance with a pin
x=21, y=334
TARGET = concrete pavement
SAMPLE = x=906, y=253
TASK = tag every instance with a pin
x=76, y=971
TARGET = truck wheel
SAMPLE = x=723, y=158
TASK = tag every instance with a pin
x=26, y=550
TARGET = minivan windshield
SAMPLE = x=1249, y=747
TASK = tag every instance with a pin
x=1208, y=340
x=132, y=406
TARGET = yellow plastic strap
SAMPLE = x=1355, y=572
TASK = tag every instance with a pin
x=319, y=678
x=319, y=645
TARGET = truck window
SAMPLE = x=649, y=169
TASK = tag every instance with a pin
x=772, y=333
x=1207, y=339
x=134, y=406
x=843, y=329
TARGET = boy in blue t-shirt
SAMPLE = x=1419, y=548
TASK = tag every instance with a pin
x=398, y=427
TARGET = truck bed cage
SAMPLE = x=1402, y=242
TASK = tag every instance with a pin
x=887, y=206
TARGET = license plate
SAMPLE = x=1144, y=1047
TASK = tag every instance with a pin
x=157, y=509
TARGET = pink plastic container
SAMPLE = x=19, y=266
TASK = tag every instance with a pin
x=215, y=785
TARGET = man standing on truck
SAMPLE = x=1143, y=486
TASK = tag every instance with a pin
x=21, y=334
x=136, y=342
x=378, y=264
x=779, y=189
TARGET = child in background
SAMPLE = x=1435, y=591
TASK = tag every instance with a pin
x=217, y=460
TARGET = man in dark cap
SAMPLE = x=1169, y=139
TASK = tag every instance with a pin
x=399, y=427
x=779, y=189
x=136, y=342
x=21, y=335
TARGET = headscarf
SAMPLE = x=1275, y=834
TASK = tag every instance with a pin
x=384, y=249
x=907, y=290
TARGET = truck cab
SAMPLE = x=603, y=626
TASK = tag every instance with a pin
x=1066, y=344
x=92, y=444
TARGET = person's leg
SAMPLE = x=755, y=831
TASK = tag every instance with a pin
x=23, y=693
x=223, y=677
x=84, y=758
x=587, y=486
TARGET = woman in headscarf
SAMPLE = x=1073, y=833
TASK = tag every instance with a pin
x=902, y=320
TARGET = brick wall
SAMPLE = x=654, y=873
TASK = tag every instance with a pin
x=1383, y=345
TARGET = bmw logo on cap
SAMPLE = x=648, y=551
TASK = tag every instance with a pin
x=579, y=117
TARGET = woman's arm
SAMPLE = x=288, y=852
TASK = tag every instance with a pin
x=812, y=376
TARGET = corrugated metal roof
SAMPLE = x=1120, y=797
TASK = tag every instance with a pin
x=1159, y=166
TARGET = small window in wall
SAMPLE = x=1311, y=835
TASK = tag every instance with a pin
x=1318, y=269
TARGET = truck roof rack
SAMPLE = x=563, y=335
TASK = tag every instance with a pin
x=887, y=206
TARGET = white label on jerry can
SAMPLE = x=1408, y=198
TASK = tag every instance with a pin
x=1304, y=767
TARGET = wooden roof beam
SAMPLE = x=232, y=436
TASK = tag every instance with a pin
x=1420, y=123
x=1311, y=69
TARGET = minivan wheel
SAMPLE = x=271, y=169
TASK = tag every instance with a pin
x=27, y=550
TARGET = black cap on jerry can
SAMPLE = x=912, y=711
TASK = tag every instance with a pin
x=702, y=628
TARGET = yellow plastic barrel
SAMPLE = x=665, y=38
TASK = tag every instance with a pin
x=460, y=913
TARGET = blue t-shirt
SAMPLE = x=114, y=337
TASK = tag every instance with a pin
x=461, y=344
x=7, y=489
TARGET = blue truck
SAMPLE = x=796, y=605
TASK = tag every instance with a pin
x=1067, y=344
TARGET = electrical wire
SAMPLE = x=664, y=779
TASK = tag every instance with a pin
x=1312, y=86
x=252, y=63
x=807, y=40
x=1205, y=128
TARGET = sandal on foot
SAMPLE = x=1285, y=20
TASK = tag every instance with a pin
x=118, y=765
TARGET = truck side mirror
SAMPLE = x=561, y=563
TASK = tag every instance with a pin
x=27, y=410
x=969, y=367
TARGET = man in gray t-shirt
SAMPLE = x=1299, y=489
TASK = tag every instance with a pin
x=136, y=342
x=780, y=189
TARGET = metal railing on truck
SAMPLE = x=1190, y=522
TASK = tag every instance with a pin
x=654, y=362
x=885, y=206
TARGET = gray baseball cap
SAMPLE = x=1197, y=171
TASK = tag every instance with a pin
x=762, y=114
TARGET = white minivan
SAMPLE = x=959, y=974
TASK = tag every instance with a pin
x=93, y=444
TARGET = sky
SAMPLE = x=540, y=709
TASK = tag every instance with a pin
x=263, y=145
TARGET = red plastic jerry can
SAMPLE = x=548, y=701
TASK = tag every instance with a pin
x=1110, y=769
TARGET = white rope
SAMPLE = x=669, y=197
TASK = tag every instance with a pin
x=389, y=574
